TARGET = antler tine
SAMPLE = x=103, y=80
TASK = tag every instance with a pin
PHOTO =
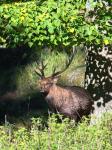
x=54, y=72
x=38, y=73
x=41, y=69
x=36, y=69
x=68, y=62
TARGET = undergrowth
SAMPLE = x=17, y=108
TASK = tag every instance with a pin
x=58, y=136
x=27, y=78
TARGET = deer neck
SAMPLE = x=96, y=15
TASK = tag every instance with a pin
x=54, y=95
x=53, y=89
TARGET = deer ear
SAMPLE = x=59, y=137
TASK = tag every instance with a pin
x=55, y=79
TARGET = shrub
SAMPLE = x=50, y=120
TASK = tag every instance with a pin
x=57, y=136
x=55, y=23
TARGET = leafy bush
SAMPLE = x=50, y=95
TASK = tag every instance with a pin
x=48, y=23
x=57, y=136
x=13, y=1
x=55, y=23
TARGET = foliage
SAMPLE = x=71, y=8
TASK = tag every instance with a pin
x=57, y=136
x=98, y=23
x=55, y=23
x=50, y=23
x=13, y=1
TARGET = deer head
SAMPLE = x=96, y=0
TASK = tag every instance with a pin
x=47, y=82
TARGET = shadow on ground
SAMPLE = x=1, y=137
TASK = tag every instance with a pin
x=12, y=105
x=21, y=110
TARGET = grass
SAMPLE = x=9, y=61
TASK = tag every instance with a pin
x=24, y=80
x=58, y=136
x=74, y=75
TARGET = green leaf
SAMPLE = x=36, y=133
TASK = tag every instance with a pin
x=51, y=30
x=30, y=35
x=52, y=37
x=30, y=44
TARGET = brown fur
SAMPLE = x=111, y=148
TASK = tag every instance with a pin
x=71, y=101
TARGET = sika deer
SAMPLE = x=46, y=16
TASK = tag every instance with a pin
x=71, y=101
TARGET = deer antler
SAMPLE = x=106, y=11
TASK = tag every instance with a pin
x=41, y=69
x=68, y=62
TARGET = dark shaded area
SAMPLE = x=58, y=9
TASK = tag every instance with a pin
x=99, y=74
x=18, y=107
x=11, y=60
x=15, y=57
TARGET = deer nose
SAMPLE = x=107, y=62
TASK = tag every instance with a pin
x=41, y=90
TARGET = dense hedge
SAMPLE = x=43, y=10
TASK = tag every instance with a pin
x=54, y=23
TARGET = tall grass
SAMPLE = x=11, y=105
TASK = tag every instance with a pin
x=58, y=136
x=27, y=78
